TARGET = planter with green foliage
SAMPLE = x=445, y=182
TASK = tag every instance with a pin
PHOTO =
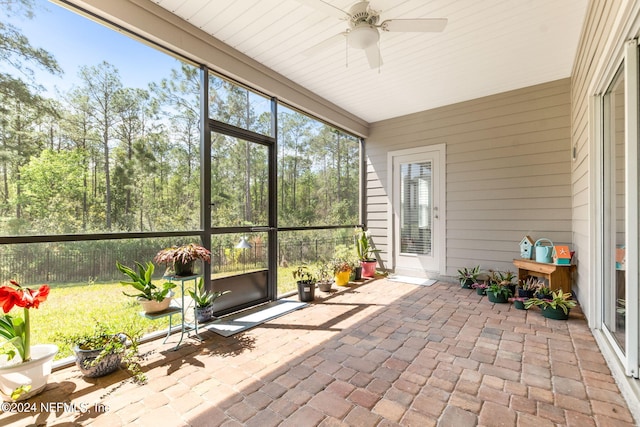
x=366, y=253
x=468, y=276
x=306, y=283
x=180, y=259
x=557, y=306
x=203, y=300
x=102, y=352
x=152, y=298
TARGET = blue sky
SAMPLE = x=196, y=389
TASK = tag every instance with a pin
x=75, y=41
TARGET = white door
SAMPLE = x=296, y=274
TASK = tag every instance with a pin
x=416, y=210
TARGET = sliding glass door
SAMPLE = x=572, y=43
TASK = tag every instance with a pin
x=619, y=211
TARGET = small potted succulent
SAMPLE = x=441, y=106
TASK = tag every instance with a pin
x=203, y=300
x=180, y=259
x=468, y=276
x=557, y=306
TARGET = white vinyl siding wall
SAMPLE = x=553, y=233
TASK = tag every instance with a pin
x=508, y=172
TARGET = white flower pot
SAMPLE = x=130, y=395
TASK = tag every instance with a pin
x=154, y=306
x=35, y=372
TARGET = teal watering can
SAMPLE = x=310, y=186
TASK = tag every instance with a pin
x=544, y=253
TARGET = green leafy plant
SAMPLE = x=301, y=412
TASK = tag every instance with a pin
x=543, y=292
x=502, y=278
x=324, y=272
x=141, y=281
x=363, y=247
x=558, y=299
x=530, y=284
x=499, y=290
x=304, y=274
x=123, y=343
x=468, y=274
x=202, y=297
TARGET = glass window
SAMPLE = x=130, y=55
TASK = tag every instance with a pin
x=318, y=172
x=103, y=141
x=239, y=106
x=614, y=217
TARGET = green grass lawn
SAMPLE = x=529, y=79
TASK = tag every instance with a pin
x=73, y=309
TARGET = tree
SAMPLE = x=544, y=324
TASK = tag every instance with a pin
x=52, y=191
x=102, y=85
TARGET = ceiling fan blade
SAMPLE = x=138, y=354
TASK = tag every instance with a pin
x=373, y=56
x=326, y=8
x=326, y=44
x=415, y=25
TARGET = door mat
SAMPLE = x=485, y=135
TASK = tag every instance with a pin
x=421, y=281
x=238, y=322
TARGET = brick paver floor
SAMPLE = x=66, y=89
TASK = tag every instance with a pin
x=378, y=354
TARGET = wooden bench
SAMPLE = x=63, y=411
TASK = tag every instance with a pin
x=558, y=276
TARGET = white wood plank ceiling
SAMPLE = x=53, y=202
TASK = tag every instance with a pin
x=487, y=47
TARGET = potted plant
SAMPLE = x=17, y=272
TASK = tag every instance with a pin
x=468, y=276
x=557, y=306
x=481, y=288
x=498, y=293
x=518, y=302
x=543, y=292
x=527, y=288
x=101, y=352
x=306, y=283
x=151, y=297
x=203, y=300
x=180, y=259
x=25, y=369
x=503, y=278
x=365, y=252
x=341, y=271
x=325, y=280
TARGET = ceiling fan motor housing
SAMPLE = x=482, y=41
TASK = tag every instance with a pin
x=361, y=13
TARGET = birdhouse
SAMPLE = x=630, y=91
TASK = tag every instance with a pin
x=561, y=255
x=526, y=245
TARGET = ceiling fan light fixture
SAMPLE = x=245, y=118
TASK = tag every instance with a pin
x=363, y=36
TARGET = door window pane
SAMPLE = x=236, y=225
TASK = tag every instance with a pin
x=415, y=208
x=239, y=182
x=615, y=176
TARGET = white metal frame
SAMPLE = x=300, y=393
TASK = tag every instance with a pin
x=602, y=244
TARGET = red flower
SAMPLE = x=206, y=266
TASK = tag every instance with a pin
x=22, y=297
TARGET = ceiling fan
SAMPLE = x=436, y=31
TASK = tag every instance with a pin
x=363, y=32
